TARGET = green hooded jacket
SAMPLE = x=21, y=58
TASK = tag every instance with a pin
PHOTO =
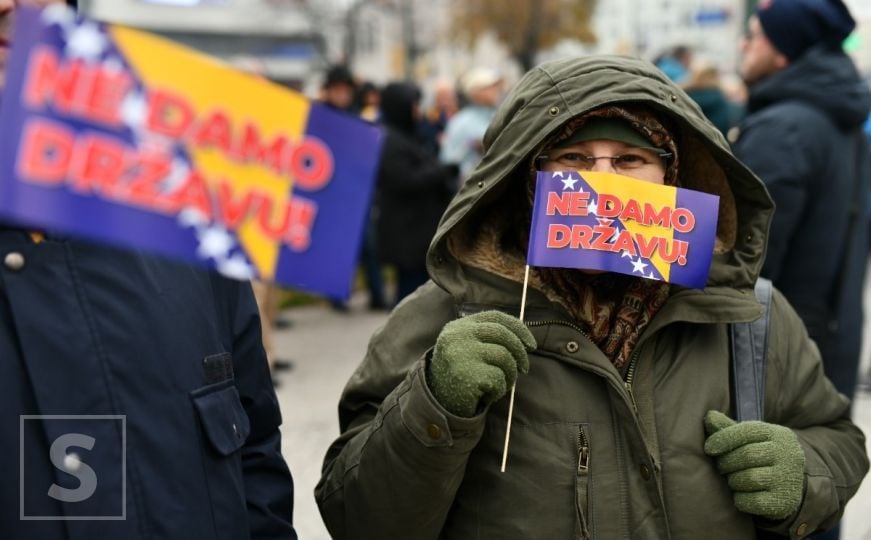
x=594, y=452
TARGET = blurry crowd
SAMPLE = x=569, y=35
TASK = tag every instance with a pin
x=433, y=140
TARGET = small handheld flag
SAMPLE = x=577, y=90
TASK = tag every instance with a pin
x=605, y=221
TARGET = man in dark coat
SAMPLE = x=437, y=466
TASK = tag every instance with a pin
x=803, y=136
x=414, y=189
x=136, y=400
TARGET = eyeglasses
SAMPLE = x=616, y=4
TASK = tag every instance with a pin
x=630, y=160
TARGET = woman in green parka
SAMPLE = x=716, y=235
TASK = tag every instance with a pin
x=621, y=423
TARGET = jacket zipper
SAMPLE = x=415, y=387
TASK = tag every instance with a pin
x=582, y=496
x=562, y=323
x=630, y=374
x=583, y=452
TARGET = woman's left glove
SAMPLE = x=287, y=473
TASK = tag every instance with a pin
x=764, y=464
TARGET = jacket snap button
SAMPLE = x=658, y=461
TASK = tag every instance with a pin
x=645, y=471
x=480, y=184
x=553, y=111
x=14, y=261
x=434, y=431
x=673, y=98
x=572, y=346
x=802, y=529
x=235, y=430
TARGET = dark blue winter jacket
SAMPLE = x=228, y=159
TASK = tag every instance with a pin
x=803, y=136
x=135, y=400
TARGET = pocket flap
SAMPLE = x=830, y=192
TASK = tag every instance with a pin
x=223, y=418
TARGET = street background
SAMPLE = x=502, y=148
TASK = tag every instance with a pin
x=293, y=41
x=327, y=345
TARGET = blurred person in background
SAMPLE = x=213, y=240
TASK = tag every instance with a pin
x=676, y=63
x=803, y=137
x=461, y=145
x=91, y=330
x=367, y=101
x=703, y=86
x=621, y=426
x=414, y=189
x=339, y=88
x=443, y=107
x=339, y=91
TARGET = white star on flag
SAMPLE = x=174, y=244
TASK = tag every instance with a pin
x=113, y=64
x=593, y=207
x=215, y=243
x=639, y=266
x=176, y=177
x=557, y=174
x=653, y=276
x=134, y=109
x=86, y=42
x=569, y=183
x=236, y=267
x=605, y=222
x=58, y=14
x=191, y=217
x=626, y=254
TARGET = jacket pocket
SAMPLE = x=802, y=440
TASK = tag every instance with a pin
x=223, y=419
x=582, y=484
x=224, y=429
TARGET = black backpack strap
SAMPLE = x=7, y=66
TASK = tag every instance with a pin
x=749, y=350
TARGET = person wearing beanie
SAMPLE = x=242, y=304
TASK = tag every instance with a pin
x=623, y=417
x=339, y=88
x=803, y=136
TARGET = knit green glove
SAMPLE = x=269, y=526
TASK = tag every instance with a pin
x=764, y=464
x=476, y=360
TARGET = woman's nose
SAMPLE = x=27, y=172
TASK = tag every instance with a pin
x=603, y=164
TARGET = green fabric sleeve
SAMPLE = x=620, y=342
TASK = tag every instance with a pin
x=401, y=456
x=799, y=396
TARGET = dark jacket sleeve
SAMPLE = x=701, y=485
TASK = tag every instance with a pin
x=801, y=397
x=778, y=146
x=268, y=483
x=407, y=168
x=396, y=467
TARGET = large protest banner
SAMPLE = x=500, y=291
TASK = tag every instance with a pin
x=610, y=222
x=121, y=136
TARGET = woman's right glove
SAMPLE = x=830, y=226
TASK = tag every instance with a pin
x=476, y=360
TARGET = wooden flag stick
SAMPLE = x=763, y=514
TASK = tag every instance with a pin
x=514, y=386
